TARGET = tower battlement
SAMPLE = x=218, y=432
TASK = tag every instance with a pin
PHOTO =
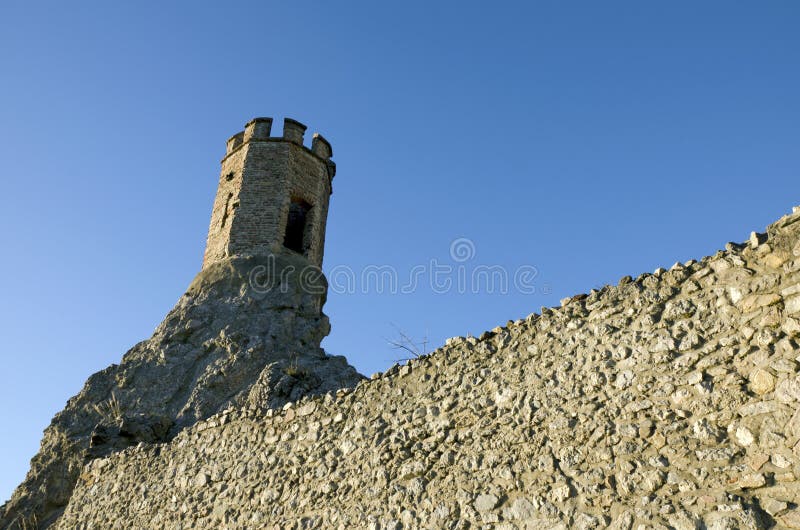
x=273, y=194
x=260, y=129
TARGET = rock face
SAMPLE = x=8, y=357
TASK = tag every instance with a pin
x=667, y=401
x=233, y=340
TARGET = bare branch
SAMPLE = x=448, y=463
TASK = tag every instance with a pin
x=404, y=342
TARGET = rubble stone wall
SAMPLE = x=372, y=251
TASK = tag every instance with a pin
x=671, y=400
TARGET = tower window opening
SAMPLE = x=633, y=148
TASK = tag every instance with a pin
x=294, y=238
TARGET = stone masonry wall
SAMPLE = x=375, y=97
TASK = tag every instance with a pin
x=260, y=176
x=671, y=400
x=274, y=173
x=225, y=207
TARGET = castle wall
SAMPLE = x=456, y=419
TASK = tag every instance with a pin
x=671, y=400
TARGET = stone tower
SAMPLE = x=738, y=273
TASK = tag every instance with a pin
x=273, y=194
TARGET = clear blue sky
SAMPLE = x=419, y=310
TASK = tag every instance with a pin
x=587, y=139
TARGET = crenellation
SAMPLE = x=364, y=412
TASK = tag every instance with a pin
x=321, y=147
x=258, y=129
x=293, y=131
x=234, y=142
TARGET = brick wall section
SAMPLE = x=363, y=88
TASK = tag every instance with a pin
x=259, y=178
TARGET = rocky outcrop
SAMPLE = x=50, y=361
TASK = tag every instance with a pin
x=667, y=401
x=232, y=340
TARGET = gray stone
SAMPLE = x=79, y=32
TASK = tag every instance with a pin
x=486, y=502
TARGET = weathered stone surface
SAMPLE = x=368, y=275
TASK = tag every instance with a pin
x=485, y=502
x=225, y=344
x=761, y=381
x=591, y=415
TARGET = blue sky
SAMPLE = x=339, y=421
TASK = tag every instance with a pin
x=588, y=140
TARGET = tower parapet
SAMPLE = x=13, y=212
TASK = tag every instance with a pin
x=273, y=194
